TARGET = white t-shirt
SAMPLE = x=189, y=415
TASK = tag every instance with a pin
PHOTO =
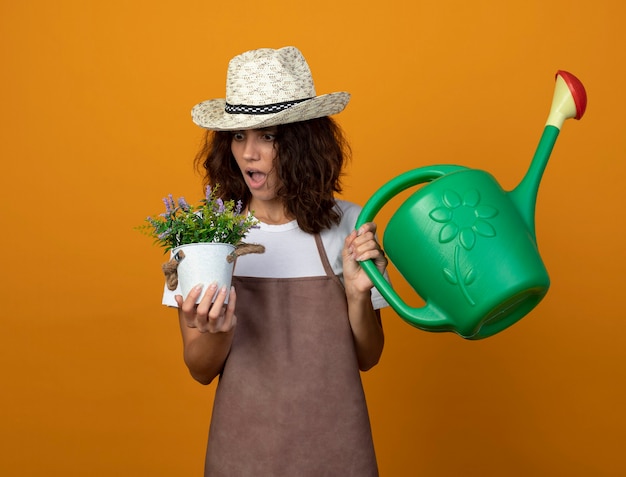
x=291, y=253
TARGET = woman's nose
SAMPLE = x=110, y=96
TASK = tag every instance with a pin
x=250, y=150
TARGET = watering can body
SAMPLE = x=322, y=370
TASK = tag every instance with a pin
x=461, y=242
x=465, y=245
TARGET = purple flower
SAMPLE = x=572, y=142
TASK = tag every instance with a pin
x=182, y=203
x=220, y=206
x=169, y=204
x=239, y=207
x=208, y=193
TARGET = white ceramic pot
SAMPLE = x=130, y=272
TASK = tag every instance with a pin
x=204, y=263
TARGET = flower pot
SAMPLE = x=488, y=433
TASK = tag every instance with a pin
x=204, y=263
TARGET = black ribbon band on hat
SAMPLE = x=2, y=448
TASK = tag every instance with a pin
x=264, y=109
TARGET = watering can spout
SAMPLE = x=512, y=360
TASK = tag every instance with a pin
x=569, y=101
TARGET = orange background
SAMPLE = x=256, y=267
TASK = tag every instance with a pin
x=96, y=129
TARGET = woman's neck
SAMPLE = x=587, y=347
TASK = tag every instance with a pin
x=271, y=213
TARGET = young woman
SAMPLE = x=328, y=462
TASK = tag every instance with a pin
x=303, y=317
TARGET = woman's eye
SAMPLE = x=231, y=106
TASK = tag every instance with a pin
x=237, y=136
x=269, y=137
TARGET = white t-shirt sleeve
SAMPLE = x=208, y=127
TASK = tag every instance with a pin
x=350, y=214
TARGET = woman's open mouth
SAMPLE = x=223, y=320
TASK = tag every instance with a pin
x=256, y=178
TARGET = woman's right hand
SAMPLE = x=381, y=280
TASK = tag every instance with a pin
x=209, y=316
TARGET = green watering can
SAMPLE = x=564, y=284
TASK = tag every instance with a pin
x=466, y=246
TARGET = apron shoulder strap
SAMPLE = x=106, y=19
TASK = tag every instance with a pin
x=322, y=251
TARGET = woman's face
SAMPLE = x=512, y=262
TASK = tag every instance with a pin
x=255, y=152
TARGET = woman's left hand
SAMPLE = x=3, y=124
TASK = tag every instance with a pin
x=359, y=246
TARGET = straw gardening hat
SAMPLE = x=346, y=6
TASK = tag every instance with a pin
x=267, y=87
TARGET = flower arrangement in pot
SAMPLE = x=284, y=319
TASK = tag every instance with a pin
x=203, y=240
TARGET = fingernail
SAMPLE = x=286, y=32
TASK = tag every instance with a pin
x=198, y=287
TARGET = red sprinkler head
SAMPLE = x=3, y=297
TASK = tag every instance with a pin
x=577, y=91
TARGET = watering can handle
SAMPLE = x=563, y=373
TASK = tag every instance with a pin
x=404, y=181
